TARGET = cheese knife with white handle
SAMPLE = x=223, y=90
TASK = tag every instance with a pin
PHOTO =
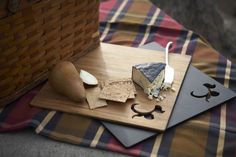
x=169, y=71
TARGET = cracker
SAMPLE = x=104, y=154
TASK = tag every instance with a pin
x=114, y=93
x=92, y=95
x=131, y=95
x=125, y=81
x=117, y=90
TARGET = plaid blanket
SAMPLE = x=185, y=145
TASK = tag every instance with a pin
x=134, y=23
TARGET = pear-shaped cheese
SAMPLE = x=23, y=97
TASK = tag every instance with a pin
x=65, y=79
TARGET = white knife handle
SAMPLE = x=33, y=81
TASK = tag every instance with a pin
x=167, y=51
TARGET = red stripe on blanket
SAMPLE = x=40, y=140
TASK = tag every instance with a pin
x=171, y=23
x=168, y=30
x=115, y=146
x=22, y=114
x=104, y=9
x=165, y=35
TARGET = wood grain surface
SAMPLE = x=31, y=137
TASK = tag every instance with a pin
x=114, y=62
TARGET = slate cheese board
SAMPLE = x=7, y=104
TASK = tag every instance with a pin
x=193, y=100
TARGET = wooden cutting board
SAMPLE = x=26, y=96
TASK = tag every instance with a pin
x=114, y=62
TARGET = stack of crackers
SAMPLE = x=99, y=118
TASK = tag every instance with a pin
x=117, y=90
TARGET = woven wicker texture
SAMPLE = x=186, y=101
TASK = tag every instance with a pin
x=35, y=38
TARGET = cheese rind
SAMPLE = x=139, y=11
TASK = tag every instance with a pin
x=149, y=76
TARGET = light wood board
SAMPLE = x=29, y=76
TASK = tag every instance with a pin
x=114, y=62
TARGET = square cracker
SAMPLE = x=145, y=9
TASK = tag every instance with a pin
x=117, y=90
x=92, y=95
x=114, y=92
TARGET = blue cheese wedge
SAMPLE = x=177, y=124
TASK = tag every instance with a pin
x=149, y=76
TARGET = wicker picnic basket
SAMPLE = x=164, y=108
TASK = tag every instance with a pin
x=36, y=34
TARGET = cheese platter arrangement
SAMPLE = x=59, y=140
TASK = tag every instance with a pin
x=187, y=105
x=119, y=84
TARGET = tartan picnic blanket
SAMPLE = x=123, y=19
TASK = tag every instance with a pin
x=135, y=23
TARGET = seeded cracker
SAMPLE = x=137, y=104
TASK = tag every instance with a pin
x=93, y=99
x=117, y=90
